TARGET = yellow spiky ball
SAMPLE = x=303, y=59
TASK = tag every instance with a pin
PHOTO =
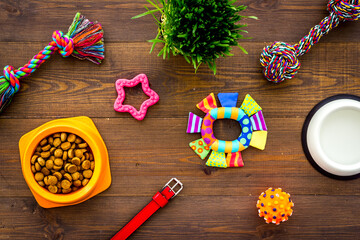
x=275, y=205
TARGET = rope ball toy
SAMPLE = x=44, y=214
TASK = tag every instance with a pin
x=280, y=60
x=84, y=40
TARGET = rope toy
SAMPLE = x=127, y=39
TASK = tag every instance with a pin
x=84, y=40
x=280, y=60
x=250, y=118
x=275, y=206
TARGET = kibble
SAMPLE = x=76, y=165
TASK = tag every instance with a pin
x=53, y=189
x=45, y=171
x=45, y=154
x=78, y=153
x=58, y=162
x=86, y=164
x=63, y=137
x=62, y=163
x=85, y=182
x=57, y=168
x=77, y=183
x=58, y=153
x=65, y=146
x=71, y=138
x=71, y=153
x=49, y=164
x=56, y=142
x=65, y=155
x=65, y=184
x=82, y=145
x=33, y=159
x=39, y=176
x=46, y=180
x=43, y=142
x=37, y=166
x=66, y=190
x=68, y=177
x=41, y=161
x=92, y=165
x=57, y=175
x=72, y=168
x=52, y=180
x=46, y=147
x=75, y=176
x=52, y=150
x=76, y=161
x=87, y=173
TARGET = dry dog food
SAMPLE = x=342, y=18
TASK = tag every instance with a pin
x=62, y=163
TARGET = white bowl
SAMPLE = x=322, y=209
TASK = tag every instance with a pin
x=333, y=136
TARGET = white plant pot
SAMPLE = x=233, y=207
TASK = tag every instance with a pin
x=332, y=136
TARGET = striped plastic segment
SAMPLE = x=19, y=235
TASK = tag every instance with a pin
x=234, y=160
x=207, y=103
x=194, y=123
x=258, y=122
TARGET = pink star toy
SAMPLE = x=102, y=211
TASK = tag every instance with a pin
x=121, y=83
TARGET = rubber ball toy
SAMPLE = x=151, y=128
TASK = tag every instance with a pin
x=275, y=206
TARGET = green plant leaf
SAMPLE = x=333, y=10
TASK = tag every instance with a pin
x=199, y=30
x=145, y=13
x=243, y=49
x=155, y=5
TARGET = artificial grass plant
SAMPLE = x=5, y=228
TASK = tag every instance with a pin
x=199, y=30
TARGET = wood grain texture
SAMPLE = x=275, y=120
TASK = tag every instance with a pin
x=215, y=203
x=60, y=83
x=215, y=217
x=279, y=20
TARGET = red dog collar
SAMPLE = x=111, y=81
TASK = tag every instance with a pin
x=160, y=199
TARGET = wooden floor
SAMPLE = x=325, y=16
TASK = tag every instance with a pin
x=144, y=155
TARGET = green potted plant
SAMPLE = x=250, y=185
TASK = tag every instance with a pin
x=199, y=30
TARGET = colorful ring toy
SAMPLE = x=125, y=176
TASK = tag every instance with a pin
x=250, y=118
x=239, y=144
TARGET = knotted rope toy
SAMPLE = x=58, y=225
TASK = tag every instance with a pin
x=280, y=60
x=84, y=40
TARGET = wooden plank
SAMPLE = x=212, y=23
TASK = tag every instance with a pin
x=278, y=20
x=150, y=153
x=68, y=87
x=225, y=217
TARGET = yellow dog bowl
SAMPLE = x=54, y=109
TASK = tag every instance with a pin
x=84, y=128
